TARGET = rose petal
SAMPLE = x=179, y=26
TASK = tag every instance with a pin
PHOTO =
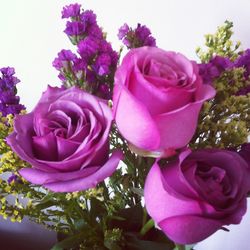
x=40, y=177
x=52, y=94
x=134, y=121
x=189, y=229
x=23, y=125
x=17, y=147
x=178, y=127
x=160, y=204
x=90, y=181
x=65, y=147
x=157, y=100
x=45, y=147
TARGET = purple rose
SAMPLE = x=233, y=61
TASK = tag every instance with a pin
x=65, y=139
x=199, y=193
x=157, y=99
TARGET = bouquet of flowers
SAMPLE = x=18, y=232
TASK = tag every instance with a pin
x=138, y=149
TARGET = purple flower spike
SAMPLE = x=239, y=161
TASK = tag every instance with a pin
x=88, y=47
x=102, y=64
x=14, y=178
x=8, y=71
x=213, y=69
x=88, y=17
x=244, y=91
x=74, y=28
x=135, y=38
x=9, y=102
x=124, y=29
x=244, y=61
x=97, y=61
x=64, y=57
x=142, y=32
x=72, y=10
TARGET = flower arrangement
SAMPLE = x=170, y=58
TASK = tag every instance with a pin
x=143, y=151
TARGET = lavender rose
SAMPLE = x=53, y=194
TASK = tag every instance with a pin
x=65, y=139
x=157, y=99
x=197, y=194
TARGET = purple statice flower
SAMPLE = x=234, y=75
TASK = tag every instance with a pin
x=94, y=67
x=104, y=91
x=135, y=38
x=83, y=24
x=64, y=63
x=100, y=61
x=8, y=71
x=8, y=80
x=72, y=10
x=9, y=102
x=142, y=32
x=123, y=31
x=80, y=64
x=88, y=48
x=95, y=31
x=244, y=61
x=88, y=17
x=244, y=91
x=98, y=53
x=218, y=64
x=14, y=178
x=75, y=28
x=63, y=59
x=213, y=69
x=8, y=97
x=102, y=64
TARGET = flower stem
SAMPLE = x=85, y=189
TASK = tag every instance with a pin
x=180, y=247
x=150, y=224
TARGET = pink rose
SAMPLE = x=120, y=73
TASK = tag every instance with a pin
x=66, y=140
x=199, y=193
x=157, y=99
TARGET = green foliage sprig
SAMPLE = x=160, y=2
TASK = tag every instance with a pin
x=224, y=121
x=220, y=44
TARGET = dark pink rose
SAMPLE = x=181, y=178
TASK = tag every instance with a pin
x=199, y=193
x=157, y=99
x=65, y=139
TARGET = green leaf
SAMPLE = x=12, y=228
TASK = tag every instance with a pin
x=46, y=198
x=70, y=242
x=44, y=205
x=114, y=217
x=133, y=243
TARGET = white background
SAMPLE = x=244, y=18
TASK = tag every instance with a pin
x=31, y=35
x=31, y=31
